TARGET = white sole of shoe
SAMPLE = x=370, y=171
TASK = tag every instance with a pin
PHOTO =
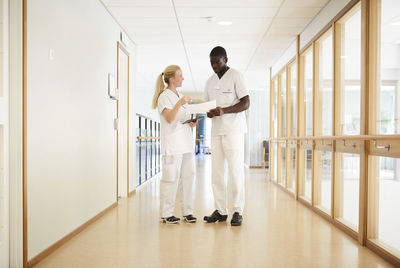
x=162, y=220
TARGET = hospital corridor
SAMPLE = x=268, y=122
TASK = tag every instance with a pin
x=199, y=133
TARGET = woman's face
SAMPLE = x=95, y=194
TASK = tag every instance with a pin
x=177, y=79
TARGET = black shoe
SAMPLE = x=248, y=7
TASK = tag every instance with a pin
x=236, y=219
x=189, y=218
x=171, y=220
x=215, y=217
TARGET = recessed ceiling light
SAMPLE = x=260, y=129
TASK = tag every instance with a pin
x=397, y=23
x=225, y=23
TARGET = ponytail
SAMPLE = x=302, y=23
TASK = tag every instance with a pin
x=159, y=89
x=168, y=73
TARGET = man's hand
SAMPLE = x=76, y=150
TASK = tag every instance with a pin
x=219, y=111
x=210, y=115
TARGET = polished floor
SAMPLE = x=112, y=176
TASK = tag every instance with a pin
x=277, y=231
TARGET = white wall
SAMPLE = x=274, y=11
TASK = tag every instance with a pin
x=321, y=20
x=4, y=128
x=286, y=57
x=71, y=143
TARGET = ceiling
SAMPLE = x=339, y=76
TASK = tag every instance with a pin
x=181, y=32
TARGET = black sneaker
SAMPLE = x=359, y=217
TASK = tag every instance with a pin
x=216, y=216
x=236, y=219
x=189, y=218
x=171, y=220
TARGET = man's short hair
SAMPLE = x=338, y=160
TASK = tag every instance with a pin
x=218, y=52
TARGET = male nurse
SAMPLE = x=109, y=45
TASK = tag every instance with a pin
x=228, y=88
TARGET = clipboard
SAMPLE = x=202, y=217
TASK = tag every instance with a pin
x=192, y=120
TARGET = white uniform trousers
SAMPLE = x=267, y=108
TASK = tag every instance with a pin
x=177, y=174
x=228, y=148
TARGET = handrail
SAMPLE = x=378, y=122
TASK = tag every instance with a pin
x=347, y=137
x=148, y=138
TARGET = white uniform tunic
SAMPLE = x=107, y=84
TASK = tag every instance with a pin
x=227, y=91
x=176, y=138
x=227, y=139
x=177, y=148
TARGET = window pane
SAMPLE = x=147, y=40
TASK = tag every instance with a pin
x=293, y=94
x=387, y=185
x=323, y=179
x=325, y=85
x=308, y=175
x=308, y=88
x=388, y=114
x=283, y=103
x=348, y=189
x=351, y=70
x=292, y=169
x=283, y=166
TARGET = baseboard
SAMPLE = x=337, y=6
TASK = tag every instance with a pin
x=35, y=260
x=132, y=192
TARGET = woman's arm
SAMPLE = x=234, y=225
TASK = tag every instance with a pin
x=170, y=115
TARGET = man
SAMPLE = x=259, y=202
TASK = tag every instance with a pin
x=227, y=87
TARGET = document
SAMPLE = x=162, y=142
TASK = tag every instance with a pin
x=200, y=108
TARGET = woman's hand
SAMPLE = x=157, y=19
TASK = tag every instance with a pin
x=184, y=100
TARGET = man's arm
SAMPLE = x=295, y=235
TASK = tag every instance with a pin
x=242, y=105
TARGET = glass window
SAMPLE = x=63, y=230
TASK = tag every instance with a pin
x=275, y=107
x=325, y=126
x=323, y=180
x=308, y=91
x=351, y=72
x=283, y=166
x=347, y=183
x=388, y=114
x=385, y=175
x=275, y=162
x=292, y=171
x=283, y=102
x=293, y=97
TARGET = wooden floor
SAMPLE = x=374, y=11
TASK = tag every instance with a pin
x=277, y=231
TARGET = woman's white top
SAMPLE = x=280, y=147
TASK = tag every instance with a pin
x=176, y=137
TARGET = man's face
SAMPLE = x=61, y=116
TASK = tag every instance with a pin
x=218, y=63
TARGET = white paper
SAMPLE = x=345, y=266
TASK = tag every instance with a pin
x=200, y=108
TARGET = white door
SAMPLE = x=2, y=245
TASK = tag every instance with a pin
x=123, y=119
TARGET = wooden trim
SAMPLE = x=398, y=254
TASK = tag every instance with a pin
x=341, y=13
x=347, y=138
x=35, y=260
x=381, y=250
x=283, y=188
x=271, y=123
x=363, y=185
x=132, y=192
x=258, y=167
x=298, y=114
x=25, y=134
x=153, y=138
x=345, y=228
x=315, y=169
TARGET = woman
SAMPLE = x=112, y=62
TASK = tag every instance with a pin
x=177, y=146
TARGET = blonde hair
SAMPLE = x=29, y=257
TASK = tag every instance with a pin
x=168, y=73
